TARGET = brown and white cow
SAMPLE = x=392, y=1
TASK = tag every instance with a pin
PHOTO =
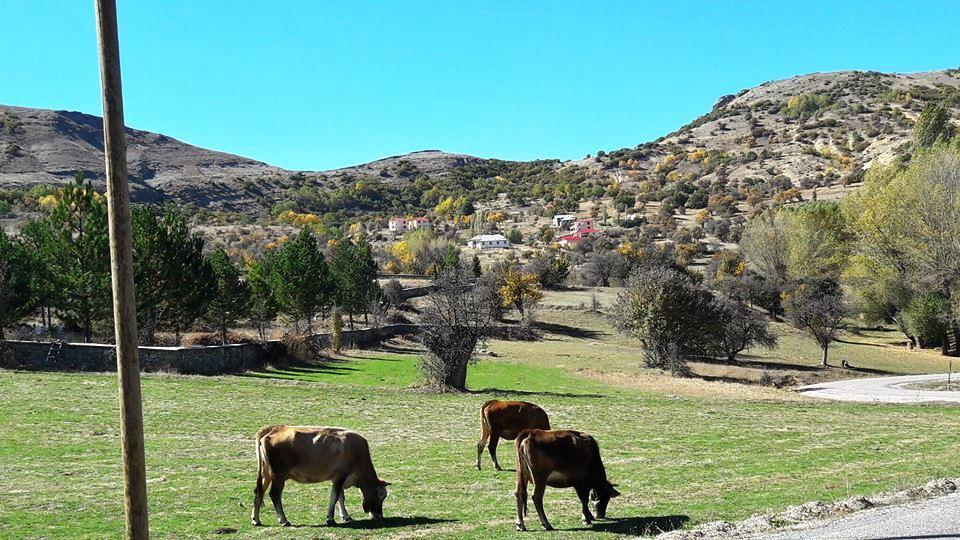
x=309, y=455
x=506, y=419
x=561, y=459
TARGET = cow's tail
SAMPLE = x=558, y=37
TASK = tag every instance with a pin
x=263, y=463
x=485, y=418
x=524, y=468
x=523, y=455
x=597, y=470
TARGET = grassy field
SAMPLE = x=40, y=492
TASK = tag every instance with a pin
x=680, y=450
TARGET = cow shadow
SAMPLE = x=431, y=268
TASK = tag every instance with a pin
x=384, y=523
x=639, y=526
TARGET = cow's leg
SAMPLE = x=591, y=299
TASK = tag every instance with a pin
x=263, y=482
x=344, y=516
x=521, y=495
x=539, y=487
x=584, y=494
x=276, y=492
x=494, y=441
x=484, y=437
x=335, y=493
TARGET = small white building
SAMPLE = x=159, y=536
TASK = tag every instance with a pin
x=489, y=241
x=397, y=225
x=563, y=221
x=419, y=223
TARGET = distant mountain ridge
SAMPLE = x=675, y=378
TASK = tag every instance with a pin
x=811, y=128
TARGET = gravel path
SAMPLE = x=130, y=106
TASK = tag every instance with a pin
x=882, y=390
x=936, y=518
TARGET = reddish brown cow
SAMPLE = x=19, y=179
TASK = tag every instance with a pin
x=506, y=419
x=561, y=459
x=316, y=454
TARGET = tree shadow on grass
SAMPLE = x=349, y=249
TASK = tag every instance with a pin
x=301, y=370
x=639, y=526
x=388, y=347
x=384, y=523
x=569, y=331
x=533, y=393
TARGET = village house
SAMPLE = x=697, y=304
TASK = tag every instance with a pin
x=563, y=221
x=575, y=237
x=583, y=224
x=419, y=223
x=402, y=224
x=488, y=241
x=397, y=225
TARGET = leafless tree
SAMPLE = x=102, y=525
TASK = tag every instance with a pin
x=458, y=315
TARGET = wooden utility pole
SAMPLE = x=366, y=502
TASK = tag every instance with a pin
x=121, y=270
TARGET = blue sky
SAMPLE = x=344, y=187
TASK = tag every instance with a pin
x=321, y=84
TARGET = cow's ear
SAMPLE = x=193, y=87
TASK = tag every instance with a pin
x=384, y=483
x=613, y=492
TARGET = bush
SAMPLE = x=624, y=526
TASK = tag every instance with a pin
x=924, y=319
x=673, y=317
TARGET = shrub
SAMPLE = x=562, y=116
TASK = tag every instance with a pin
x=673, y=317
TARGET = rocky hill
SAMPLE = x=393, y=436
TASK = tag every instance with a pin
x=812, y=130
x=49, y=147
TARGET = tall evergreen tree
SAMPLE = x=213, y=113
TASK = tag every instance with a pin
x=233, y=300
x=301, y=280
x=263, y=305
x=175, y=282
x=17, y=298
x=71, y=246
x=354, y=272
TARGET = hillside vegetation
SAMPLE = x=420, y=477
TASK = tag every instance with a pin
x=800, y=133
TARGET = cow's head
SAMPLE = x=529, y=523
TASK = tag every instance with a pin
x=601, y=497
x=373, y=497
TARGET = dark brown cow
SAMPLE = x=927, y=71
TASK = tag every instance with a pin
x=561, y=459
x=316, y=454
x=506, y=419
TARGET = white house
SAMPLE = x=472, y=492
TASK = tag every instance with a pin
x=397, y=225
x=419, y=223
x=563, y=221
x=489, y=241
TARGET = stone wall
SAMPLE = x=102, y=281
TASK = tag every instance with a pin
x=367, y=336
x=213, y=360
x=97, y=357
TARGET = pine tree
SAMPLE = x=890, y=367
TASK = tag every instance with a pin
x=263, y=306
x=175, y=283
x=232, y=301
x=477, y=270
x=301, y=280
x=72, y=246
x=355, y=272
x=17, y=298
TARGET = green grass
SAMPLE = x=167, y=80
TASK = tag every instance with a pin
x=694, y=456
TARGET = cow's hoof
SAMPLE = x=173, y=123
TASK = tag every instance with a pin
x=498, y=468
x=256, y=522
x=478, y=466
x=331, y=523
x=548, y=527
x=586, y=522
x=521, y=527
x=285, y=524
x=347, y=519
